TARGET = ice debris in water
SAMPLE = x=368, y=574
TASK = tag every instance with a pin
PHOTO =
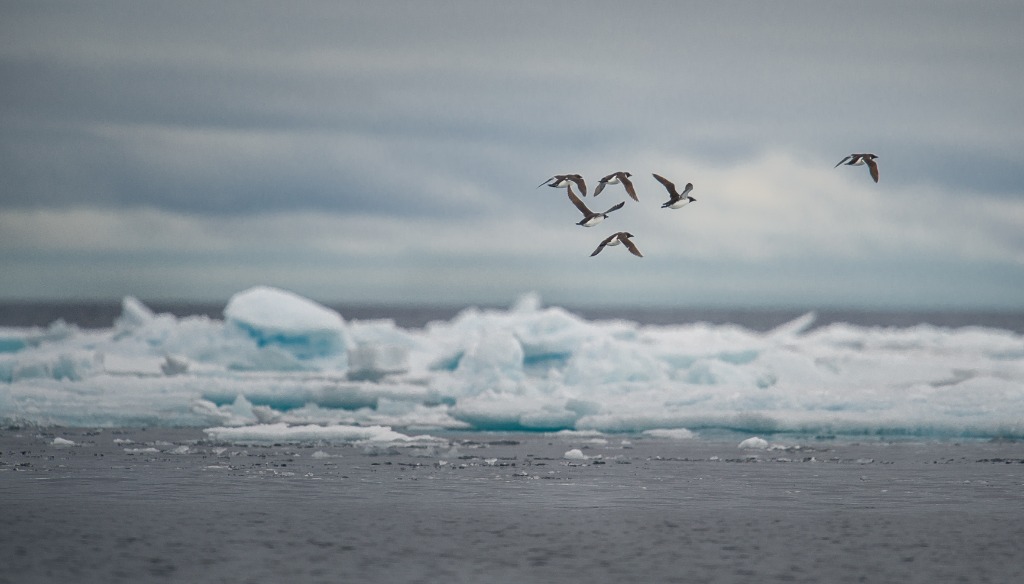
x=174, y=365
x=283, y=433
x=134, y=314
x=280, y=359
x=284, y=319
x=575, y=454
x=671, y=433
x=754, y=443
x=373, y=361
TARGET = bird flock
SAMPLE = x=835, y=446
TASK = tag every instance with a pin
x=676, y=200
x=592, y=218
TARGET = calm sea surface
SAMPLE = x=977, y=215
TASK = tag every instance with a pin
x=103, y=314
x=171, y=505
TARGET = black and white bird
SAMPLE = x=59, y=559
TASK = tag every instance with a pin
x=622, y=237
x=561, y=181
x=617, y=178
x=590, y=218
x=860, y=160
x=676, y=199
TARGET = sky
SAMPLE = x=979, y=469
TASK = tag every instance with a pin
x=390, y=152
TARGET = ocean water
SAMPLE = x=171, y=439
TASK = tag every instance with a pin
x=272, y=366
x=127, y=505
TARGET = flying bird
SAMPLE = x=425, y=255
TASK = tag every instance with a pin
x=860, y=160
x=622, y=237
x=564, y=180
x=614, y=179
x=676, y=199
x=590, y=218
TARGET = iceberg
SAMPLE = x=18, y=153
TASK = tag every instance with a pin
x=279, y=361
x=279, y=318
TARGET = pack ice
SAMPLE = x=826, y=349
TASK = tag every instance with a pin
x=280, y=361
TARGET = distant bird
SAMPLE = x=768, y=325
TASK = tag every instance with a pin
x=676, y=199
x=617, y=238
x=590, y=218
x=614, y=179
x=560, y=181
x=860, y=160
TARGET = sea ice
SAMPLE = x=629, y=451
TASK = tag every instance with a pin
x=283, y=433
x=279, y=318
x=754, y=443
x=283, y=364
x=672, y=433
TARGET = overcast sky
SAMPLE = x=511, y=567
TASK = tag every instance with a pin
x=389, y=151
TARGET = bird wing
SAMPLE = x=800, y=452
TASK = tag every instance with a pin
x=629, y=187
x=686, y=191
x=667, y=184
x=601, y=245
x=843, y=160
x=545, y=182
x=873, y=167
x=631, y=246
x=615, y=208
x=582, y=184
x=579, y=204
x=600, y=186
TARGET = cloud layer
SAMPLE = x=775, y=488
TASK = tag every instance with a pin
x=382, y=151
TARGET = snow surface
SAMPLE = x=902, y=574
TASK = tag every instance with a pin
x=280, y=366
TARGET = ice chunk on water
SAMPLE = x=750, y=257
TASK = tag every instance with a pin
x=527, y=368
x=14, y=339
x=794, y=327
x=671, y=433
x=529, y=302
x=374, y=361
x=284, y=319
x=283, y=433
x=493, y=358
x=754, y=443
x=72, y=365
x=575, y=454
x=174, y=365
x=134, y=314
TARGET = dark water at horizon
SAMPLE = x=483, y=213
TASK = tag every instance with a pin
x=103, y=314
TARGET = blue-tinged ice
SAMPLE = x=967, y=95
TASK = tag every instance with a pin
x=278, y=318
x=279, y=362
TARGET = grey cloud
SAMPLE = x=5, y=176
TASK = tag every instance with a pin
x=458, y=109
x=722, y=81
